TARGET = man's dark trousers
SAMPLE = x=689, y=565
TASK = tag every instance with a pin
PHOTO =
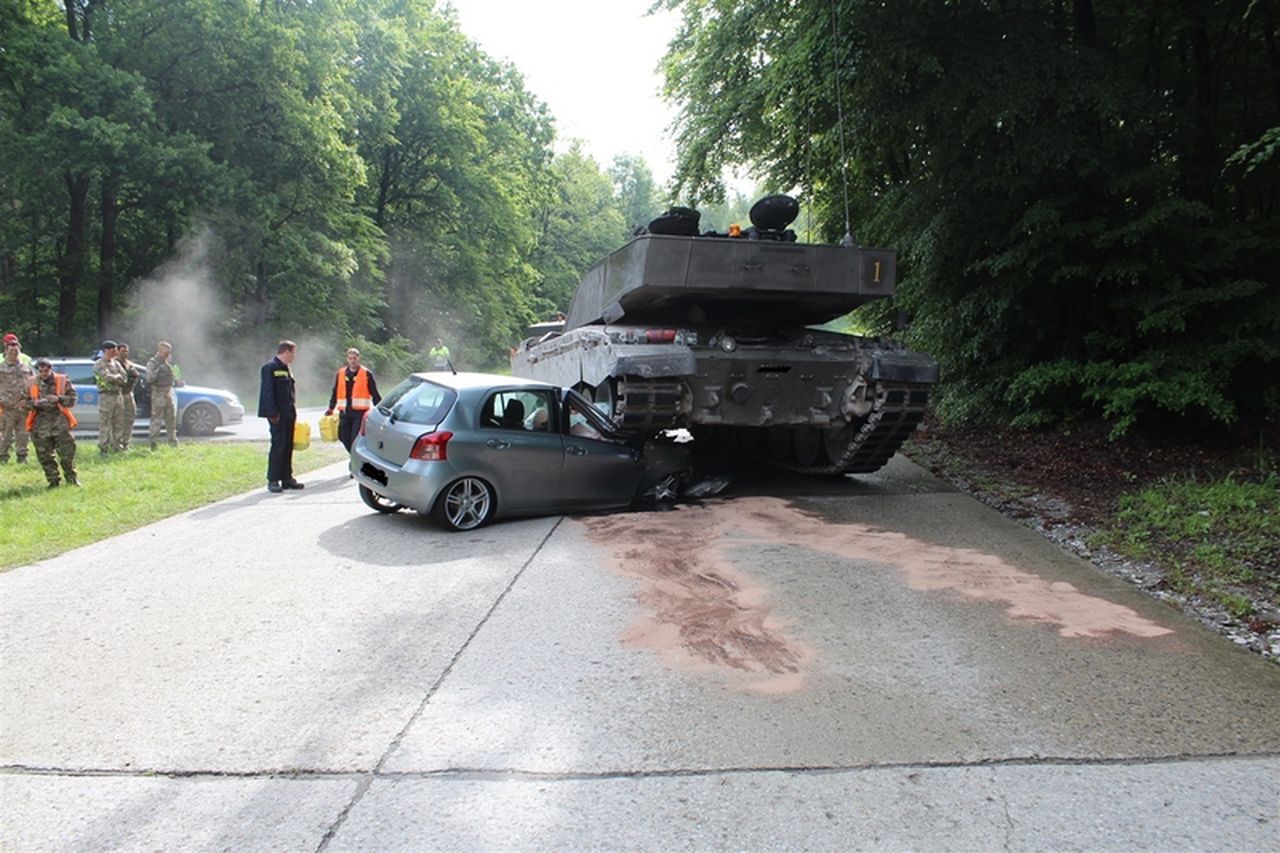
x=280, y=458
x=349, y=428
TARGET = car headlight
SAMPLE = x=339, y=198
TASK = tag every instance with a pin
x=728, y=344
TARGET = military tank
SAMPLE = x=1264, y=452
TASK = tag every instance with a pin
x=714, y=333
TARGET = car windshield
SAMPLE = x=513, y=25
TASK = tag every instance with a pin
x=418, y=401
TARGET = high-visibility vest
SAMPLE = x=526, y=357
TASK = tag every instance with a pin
x=59, y=385
x=361, y=397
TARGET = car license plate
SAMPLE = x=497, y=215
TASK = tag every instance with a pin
x=374, y=473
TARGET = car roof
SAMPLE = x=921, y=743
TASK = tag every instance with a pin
x=469, y=381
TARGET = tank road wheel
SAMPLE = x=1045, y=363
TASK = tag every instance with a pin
x=606, y=396
x=780, y=443
x=808, y=445
x=465, y=504
x=836, y=441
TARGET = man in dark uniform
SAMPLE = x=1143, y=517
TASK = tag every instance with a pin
x=277, y=402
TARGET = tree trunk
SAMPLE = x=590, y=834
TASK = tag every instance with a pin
x=384, y=187
x=1273, y=53
x=75, y=263
x=107, y=255
x=34, y=277
x=80, y=19
x=1085, y=22
x=73, y=25
x=258, y=299
x=1201, y=165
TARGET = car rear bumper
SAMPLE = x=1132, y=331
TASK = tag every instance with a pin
x=415, y=484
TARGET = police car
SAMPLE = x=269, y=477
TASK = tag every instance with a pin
x=201, y=410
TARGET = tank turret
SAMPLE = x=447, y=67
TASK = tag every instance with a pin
x=714, y=333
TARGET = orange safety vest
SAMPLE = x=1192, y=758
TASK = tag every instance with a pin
x=361, y=397
x=59, y=385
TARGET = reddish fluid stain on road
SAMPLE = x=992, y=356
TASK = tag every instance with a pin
x=707, y=613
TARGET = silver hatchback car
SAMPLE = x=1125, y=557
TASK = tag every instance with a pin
x=469, y=447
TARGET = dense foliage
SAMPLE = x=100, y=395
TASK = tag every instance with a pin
x=1085, y=194
x=225, y=172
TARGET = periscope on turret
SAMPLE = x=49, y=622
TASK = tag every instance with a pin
x=714, y=333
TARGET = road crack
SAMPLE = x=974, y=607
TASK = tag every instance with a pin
x=366, y=780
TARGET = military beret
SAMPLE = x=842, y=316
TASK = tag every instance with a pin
x=108, y=345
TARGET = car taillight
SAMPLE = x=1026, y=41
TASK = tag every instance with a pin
x=660, y=336
x=432, y=447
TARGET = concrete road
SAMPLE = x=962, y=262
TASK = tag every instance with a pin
x=871, y=663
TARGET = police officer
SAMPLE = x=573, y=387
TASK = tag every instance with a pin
x=111, y=379
x=161, y=377
x=50, y=423
x=277, y=402
x=15, y=379
x=354, y=393
x=130, y=405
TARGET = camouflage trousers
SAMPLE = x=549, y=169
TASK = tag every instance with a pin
x=111, y=422
x=60, y=441
x=127, y=418
x=164, y=415
x=13, y=430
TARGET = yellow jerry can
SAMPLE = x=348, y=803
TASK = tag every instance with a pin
x=301, y=435
x=328, y=427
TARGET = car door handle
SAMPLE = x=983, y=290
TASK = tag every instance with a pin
x=497, y=444
x=575, y=450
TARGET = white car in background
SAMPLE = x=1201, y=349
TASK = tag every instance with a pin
x=201, y=410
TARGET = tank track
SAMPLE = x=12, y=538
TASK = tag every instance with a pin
x=861, y=447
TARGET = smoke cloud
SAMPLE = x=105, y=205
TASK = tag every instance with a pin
x=180, y=303
x=183, y=303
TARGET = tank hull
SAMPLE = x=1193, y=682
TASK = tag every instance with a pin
x=712, y=334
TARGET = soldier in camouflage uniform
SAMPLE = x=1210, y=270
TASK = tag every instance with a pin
x=130, y=415
x=50, y=422
x=164, y=407
x=15, y=380
x=112, y=379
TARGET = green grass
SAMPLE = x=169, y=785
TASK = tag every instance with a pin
x=1224, y=536
x=125, y=491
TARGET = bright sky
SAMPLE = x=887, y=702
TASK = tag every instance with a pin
x=594, y=64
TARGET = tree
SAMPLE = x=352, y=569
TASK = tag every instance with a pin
x=354, y=169
x=578, y=226
x=1073, y=238
x=457, y=155
x=639, y=197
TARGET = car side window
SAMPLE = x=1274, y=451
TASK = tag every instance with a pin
x=580, y=424
x=79, y=374
x=527, y=411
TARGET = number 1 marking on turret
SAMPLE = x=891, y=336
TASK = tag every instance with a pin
x=876, y=278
